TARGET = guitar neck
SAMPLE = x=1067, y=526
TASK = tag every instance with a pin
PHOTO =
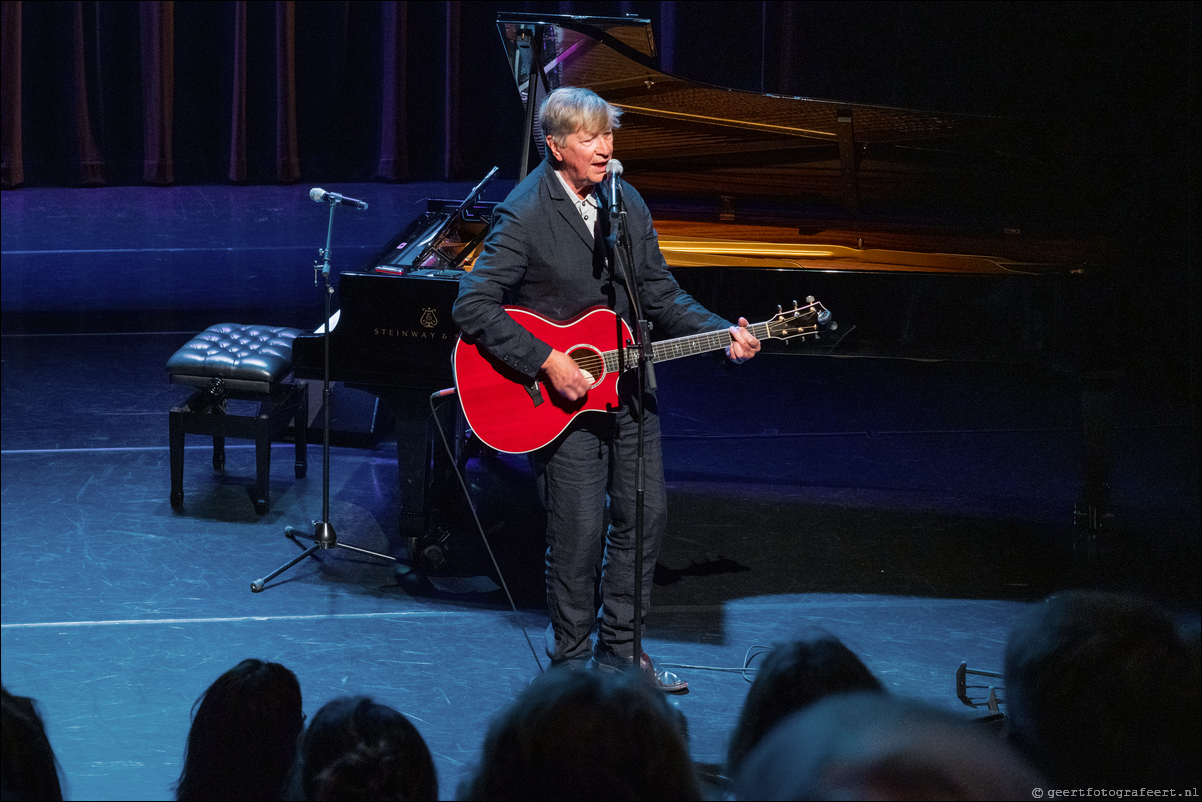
x=701, y=343
x=691, y=345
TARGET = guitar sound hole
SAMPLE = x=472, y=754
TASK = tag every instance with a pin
x=590, y=362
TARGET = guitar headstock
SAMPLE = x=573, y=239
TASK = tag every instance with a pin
x=800, y=321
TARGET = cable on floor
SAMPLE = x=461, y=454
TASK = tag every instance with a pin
x=479, y=527
x=747, y=670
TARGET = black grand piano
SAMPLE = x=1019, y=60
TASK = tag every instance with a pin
x=755, y=196
x=751, y=190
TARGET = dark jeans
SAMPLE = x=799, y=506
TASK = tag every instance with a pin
x=574, y=475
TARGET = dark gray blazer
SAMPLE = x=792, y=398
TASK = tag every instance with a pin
x=540, y=255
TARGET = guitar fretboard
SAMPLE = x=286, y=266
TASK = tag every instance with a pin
x=691, y=345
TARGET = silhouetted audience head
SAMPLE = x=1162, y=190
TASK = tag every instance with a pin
x=585, y=735
x=792, y=677
x=1102, y=691
x=243, y=736
x=29, y=769
x=358, y=749
x=877, y=746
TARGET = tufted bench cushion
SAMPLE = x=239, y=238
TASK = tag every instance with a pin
x=242, y=362
x=246, y=357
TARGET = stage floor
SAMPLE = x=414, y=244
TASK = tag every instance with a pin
x=911, y=508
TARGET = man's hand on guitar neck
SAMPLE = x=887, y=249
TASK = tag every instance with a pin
x=743, y=344
x=573, y=383
x=566, y=376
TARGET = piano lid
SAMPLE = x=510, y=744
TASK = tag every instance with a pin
x=683, y=136
x=731, y=159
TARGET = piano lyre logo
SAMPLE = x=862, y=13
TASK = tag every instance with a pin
x=429, y=318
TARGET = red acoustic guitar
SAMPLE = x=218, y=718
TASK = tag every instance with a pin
x=513, y=414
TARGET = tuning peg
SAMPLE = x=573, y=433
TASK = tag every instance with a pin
x=794, y=304
x=809, y=299
x=779, y=311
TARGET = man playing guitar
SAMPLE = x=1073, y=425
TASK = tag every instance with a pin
x=547, y=252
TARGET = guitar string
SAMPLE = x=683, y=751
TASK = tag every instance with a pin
x=598, y=364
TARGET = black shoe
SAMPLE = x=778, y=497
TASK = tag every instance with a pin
x=578, y=664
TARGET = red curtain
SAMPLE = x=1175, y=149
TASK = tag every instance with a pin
x=287, y=157
x=451, y=160
x=87, y=153
x=238, y=168
x=12, y=165
x=158, y=90
x=155, y=39
x=394, y=121
x=122, y=92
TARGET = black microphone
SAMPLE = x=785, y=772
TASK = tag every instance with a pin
x=319, y=195
x=614, y=170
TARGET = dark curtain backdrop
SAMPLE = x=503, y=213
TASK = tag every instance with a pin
x=165, y=92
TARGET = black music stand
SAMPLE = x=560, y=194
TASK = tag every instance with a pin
x=323, y=536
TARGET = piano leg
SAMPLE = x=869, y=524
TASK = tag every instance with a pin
x=425, y=474
x=1097, y=425
x=410, y=409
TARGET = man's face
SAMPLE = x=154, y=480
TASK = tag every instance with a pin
x=583, y=157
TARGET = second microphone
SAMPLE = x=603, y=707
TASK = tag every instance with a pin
x=320, y=195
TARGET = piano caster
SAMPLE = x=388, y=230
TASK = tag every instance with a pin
x=429, y=554
x=1088, y=522
x=1089, y=517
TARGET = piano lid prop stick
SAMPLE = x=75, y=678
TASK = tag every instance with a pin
x=438, y=236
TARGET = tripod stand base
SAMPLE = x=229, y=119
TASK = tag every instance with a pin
x=289, y=533
x=323, y=534
x=323, y=537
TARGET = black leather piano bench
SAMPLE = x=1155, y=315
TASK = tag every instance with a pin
x=240, y=362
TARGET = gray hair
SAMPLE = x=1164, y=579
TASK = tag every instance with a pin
x=571, y=108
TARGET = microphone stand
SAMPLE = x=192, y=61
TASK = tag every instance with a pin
x=619, y=245
x=323, y=536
